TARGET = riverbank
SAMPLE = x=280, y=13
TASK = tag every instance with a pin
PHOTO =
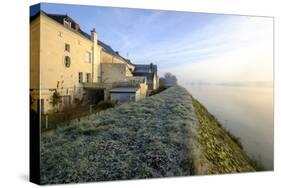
x=221, y=151
x=247, y=112
x=165, y=135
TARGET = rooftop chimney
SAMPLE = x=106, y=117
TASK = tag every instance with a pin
x=93, y=30
x=93, y=34
x=151, y=66
x=77, y=27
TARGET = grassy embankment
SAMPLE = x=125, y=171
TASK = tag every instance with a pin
x=221, y=151
x=148, y=138
x=156, y=137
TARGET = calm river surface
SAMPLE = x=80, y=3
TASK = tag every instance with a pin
x=247, y=112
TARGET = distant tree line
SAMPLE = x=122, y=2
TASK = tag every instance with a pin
x=168, y=80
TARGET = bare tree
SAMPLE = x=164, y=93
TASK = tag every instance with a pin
x=162, y=82
x=170, y=79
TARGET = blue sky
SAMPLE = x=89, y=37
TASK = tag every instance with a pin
x=193, y=46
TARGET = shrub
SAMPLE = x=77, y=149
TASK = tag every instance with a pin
x=56, y=98
x=158, y=90
x=106, y=104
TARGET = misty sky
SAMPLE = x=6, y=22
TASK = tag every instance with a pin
x=193, y=46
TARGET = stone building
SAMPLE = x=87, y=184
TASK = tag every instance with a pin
x=67, y=62
x=150, y=72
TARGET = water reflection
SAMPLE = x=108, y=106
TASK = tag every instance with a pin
x=247, y=112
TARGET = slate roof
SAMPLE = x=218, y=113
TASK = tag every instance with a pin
x=145, y=70
x=124, y=90
x=107, y=48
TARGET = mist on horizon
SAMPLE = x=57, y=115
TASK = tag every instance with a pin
x=239, y=53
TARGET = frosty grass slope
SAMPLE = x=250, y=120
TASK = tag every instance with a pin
x=148, y=138
x=168, y=134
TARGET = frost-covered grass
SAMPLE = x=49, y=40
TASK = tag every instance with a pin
x=167, y=134
x=145, y=139
x=221, y=151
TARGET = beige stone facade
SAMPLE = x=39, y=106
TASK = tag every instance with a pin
x=63, y=59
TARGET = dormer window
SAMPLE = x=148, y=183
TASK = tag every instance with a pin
x=67, y=23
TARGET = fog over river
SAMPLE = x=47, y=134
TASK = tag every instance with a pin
x=246, y=111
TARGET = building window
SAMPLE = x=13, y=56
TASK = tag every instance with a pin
x=67, y=61
x=67, y=47
x=80, y=77
x=67, y=23
x=89, y=77
x=88, y=57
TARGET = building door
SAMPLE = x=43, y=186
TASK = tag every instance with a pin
x=95, y=96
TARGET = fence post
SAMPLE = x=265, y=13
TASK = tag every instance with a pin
x=46, y=121
x=90, y=108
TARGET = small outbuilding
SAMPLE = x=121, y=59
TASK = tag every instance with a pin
x=124, y=94
x=130, y=89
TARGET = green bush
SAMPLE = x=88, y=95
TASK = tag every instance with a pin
x=106, y=104
x=158, y=90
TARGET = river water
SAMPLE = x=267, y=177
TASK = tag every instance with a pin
x=247, y=112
